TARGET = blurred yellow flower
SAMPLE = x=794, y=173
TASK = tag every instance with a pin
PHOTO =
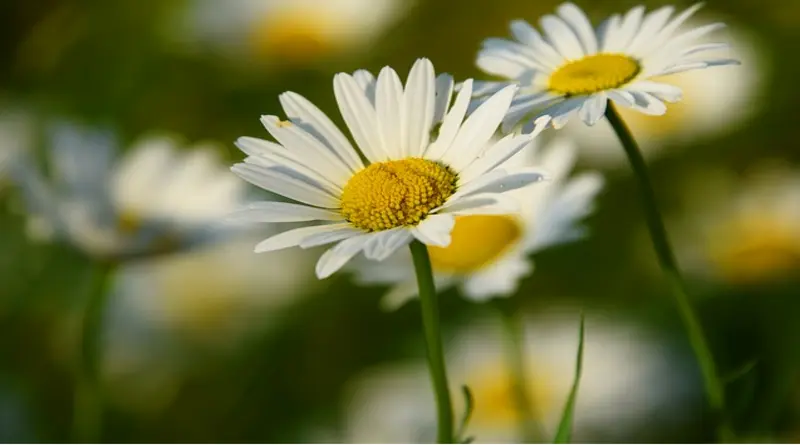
x=743, y=231
x=628, y=377
x=277, y=32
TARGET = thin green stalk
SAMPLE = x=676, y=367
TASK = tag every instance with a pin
x=88, y=402
x=714, y=389
x=433, y=341
x=529, y=428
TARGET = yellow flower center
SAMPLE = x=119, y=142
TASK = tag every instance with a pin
x=756, y=249
x=129, y=222
x=593, y=74
x=477, y=241
x=396, y=193
x=496, y=405
x=295, y=35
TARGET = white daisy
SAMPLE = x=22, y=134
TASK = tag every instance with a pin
x=290, y=31
x=413, y=186
x=575, y=69
x=489, y=254
x=742, y=230
x=629, y=377
x=154, y=200
x=714, y=103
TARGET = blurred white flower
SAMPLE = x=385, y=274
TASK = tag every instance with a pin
x=629, y=378
x=489, y=254
x=290, y=31
x=211, y=299
x=714, y=102
x=742, y=230
x=155, y=199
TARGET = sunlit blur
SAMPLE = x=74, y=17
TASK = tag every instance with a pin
x=117, y=122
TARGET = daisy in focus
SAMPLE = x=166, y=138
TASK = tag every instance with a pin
x=489, y=254
x=714, y=103
x=629, y=376
x=574, y=69
x=291, y=31
x=413, y=185
x=743, y=230
x=155, y=200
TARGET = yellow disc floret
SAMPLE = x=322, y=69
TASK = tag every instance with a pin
x=593, y=74
x=396, y=193
x=477, y=241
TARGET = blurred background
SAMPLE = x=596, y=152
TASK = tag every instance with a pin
x=218, y=344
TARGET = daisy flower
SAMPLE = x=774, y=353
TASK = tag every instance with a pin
x=629, y=376
x=413, y=184
x=293, y=31
x=154, y=200
x=489, y=254
x=743, y=230
x=575, y=69
x=714, y=103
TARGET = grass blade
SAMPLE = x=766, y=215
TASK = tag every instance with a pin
x=564, y=433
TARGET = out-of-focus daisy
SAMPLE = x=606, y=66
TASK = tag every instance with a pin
x=629, y=377
x=291, y=31
x=212, y=299
x=714, y=101
x=413, y=185
x=488, y=254
x=574, y=69
x=742, y=231
x=155, y=199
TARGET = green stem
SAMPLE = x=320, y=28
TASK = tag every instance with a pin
x=433, y=341
x=88, y=402
x=530, y=430
x=713, y=386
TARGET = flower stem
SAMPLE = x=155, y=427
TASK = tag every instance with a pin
x=88, y=403
x=529, y=428
x=714, y=389
x=433, y=341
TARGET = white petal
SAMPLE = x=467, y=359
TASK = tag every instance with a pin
x=451, y=123
x=704, y=47
x=478, y=128
x=626, y=31
x=389, y=106
x=418, y=107
x=319, y=239
x=294, y=237
x=593, y=108
x=524, y=105
x=486, y=88
x=651, y=26
x=673, y=26
x=608, y=32
x=562, y=37
x=696, y=65
x=509, y=59
x=482, y=204
x=286, y=183
x=308, y=149
x=501, y=278
x=500, y=181
x=306, y=115
x=648, y=104
x=274, y=211
x=366, y=81
x=386, y=243
x=528, y=35
x=444, y=92
x=337, y=256
x=621, y=97
x=495, y=155
x=359, y=114
x=435, y=230
x=563, y=111
x=663, y=91
x=268, y=154
x=580, y=24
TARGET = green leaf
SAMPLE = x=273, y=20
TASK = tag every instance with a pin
x=740, y=372
x=564, y=432
x=469, y=406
